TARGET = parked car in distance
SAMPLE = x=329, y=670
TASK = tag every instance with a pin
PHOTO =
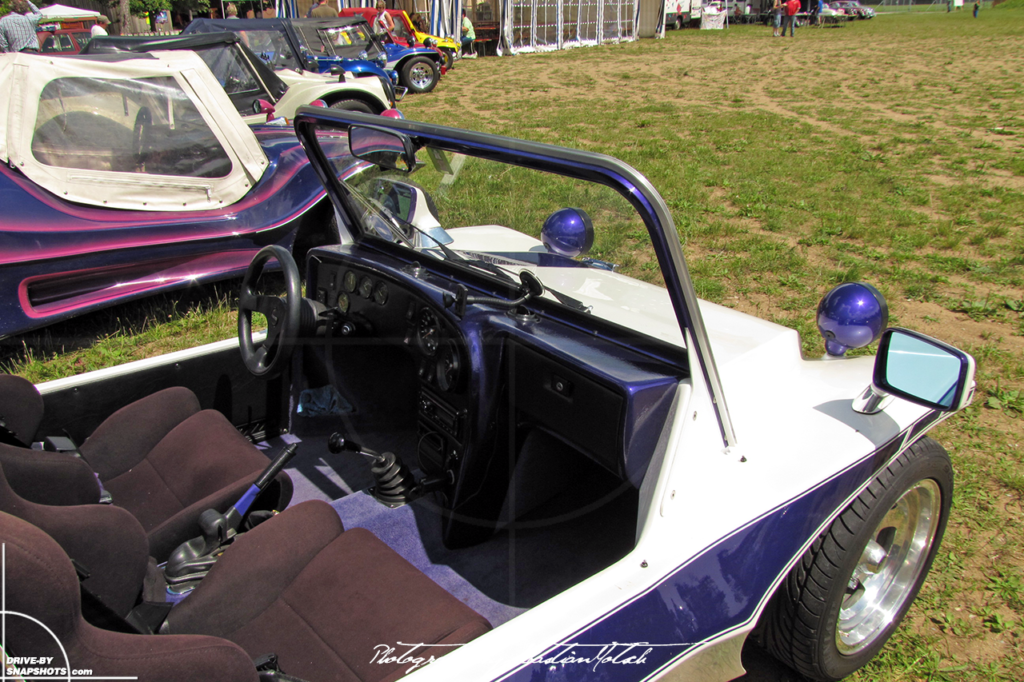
x=248, y=81
x=418, y=68
x=283, y=45
x=406, y=32
x=682, y=13
x=67, y=41
x=126, y=181
x=854, y=9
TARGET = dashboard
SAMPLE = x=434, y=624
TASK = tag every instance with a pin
x=483, y=381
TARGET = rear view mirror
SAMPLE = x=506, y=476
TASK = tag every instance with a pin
x=923, y=370
x=381, y=147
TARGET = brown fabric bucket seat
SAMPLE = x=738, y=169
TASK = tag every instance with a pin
x=323, y=599
x=161, y=458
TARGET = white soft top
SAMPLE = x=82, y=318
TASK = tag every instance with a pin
x=155, y=132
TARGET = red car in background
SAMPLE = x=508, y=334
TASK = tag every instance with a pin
x=69, y=41
x=406, y=33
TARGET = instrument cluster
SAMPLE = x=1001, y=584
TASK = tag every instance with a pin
x=382, y=309
x=354, y=284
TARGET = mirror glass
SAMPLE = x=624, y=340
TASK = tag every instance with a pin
x=381, y=148
x=922, y=370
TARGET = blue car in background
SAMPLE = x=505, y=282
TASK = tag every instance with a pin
x=321, y=45
x=418, y=68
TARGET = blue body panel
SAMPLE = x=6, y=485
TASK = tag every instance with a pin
x=59, y=259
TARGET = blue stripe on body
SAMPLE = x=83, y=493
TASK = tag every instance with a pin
x=718, y=591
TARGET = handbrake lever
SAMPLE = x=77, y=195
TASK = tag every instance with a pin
x=193, y=558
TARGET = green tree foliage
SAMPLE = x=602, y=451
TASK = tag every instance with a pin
x=140, y=7
x=195, y=6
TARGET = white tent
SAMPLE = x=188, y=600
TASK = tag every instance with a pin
x=57, y=12
x=538, y=25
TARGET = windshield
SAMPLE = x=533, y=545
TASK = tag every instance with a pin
x=500, y=219
x=347, y=41
x=272, y=47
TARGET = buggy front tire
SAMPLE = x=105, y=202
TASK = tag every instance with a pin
x=842, y=601
x=353, y=105
x=420, y=74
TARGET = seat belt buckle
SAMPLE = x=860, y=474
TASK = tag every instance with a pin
x=61, y=444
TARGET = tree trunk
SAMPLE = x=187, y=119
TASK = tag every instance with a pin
x=120, y=17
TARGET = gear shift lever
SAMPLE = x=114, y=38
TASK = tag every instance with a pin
x=395, y=483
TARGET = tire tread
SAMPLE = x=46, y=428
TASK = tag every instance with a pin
x=791, y=623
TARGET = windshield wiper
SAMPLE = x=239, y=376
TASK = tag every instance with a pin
x=449, y=254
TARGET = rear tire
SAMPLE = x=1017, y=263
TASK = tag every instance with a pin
x=840, y=604
x=353, y=105
x=420, y=74
x=449, y=58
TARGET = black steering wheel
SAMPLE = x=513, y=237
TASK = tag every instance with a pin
x=282, y=314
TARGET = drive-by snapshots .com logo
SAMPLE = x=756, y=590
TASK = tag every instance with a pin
x=30, y=667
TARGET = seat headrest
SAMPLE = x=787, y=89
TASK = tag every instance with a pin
x=21, y=406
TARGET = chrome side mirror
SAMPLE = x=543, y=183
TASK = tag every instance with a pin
x=382, y=147
x=919, y=369
x=413, y=205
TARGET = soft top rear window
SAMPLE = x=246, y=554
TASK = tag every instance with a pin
x=143, y=125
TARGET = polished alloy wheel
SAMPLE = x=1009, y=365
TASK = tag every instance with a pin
x=420, y=75
x=889, y=567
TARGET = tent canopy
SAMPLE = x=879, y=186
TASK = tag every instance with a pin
x=55, y=12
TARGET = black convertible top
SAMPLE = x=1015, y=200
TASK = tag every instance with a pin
x=204, y=45
x=300, y=34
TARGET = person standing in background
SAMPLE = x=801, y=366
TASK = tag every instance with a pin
x=776, y=17
x=100, y=27
x=792, y=7
x=18, y=28
x=383, y=23
x=231, y=11
x=324, y=11
x=977, y=6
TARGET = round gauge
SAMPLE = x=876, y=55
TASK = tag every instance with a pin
x=350, y=281
x=448, y=367
x=380, y=293
x=428, y=332
x=343, y=301
x=366, y=287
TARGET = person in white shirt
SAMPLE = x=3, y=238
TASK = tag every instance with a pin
x=100, y=28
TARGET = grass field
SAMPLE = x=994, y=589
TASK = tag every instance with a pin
x=889, y=151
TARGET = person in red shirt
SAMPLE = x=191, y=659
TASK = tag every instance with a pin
x=792, y=7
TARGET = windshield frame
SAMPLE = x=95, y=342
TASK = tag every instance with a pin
x=587, y=166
